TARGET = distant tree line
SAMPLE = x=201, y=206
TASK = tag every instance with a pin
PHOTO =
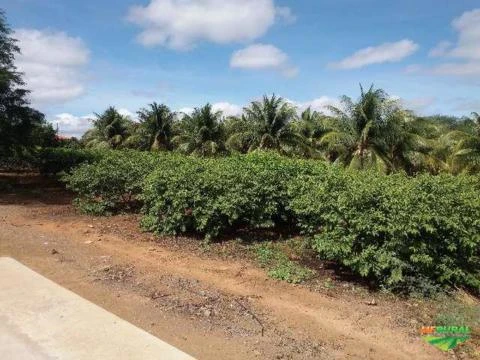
x=374, y=131
x=371, y=132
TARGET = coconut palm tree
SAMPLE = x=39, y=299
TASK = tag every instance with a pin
x=434, y=145
x=476, y=120
x=138, y=137
x=311, y=126
x=466, y=156
x=268, y=126
x=413, y=144
x=200, y=133
x=156, y=124
x=239, y=132
x=362, y=134
x=110, y=129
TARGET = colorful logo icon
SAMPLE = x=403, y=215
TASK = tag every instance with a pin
x=445, y=337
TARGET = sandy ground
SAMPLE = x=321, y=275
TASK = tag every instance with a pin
x=213, y=305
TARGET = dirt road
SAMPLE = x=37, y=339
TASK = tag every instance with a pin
x=211, y=305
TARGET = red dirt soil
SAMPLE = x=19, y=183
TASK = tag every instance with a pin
x=211, y=304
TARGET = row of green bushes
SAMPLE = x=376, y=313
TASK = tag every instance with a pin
x=112, y=182
x=403, y=232
x=56, y=160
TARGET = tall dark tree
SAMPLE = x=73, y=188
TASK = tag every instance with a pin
x=21, y=127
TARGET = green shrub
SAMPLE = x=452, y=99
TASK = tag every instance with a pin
x=279, y=266
x=57, y=160
x=113, y=182
x=95, y=207
x=214, y=196
x=406, y=233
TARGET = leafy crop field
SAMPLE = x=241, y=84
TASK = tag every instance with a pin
x=404, y=233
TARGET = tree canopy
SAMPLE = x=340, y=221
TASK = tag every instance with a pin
x=21, y=127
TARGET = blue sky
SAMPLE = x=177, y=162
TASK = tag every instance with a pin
x=81, y=56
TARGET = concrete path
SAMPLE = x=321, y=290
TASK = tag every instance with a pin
x=41, y=320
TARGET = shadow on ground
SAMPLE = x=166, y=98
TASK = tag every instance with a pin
x=32, y=188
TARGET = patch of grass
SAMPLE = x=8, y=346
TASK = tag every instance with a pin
x=90, y=207
x=454, y=312
x=273, y=258
x=328, y=284
x=462, y=310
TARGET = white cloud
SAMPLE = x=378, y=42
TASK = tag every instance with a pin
x=185, y=110
x=457, y=69
x=467, y=105
x=413, y=69
x=387, y=52
x=441, y=49
x=181, y=24
x=418, y=104
x=263, y=57
x=468, y=44
x=71, y=125
x=227, y=108
x=468, y=27
x=466, y=48
x=320, y=104
x=127, y=113
x=52, y=63
x=285, y=14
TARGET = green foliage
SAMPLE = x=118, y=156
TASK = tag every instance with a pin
x=372, y=133
x=201, y=133
x=156, y=124
x=268, y=126
x=58, y=160
x=22, y=128
x=280, y=267
x=110, y=130
x=113, y=182
x=212, y=196
x=92, y=207
x=406, y=233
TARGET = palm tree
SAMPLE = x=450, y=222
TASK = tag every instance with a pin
x=239, y=134
x=433, y=144
x=466, y=156
x=139, y=138
x=362, y=134
x=267, y=126
x=311, y=126
x=110, y=129
x=200, y=133
x=414, y=144
x=156, y=123
x=476, y=120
